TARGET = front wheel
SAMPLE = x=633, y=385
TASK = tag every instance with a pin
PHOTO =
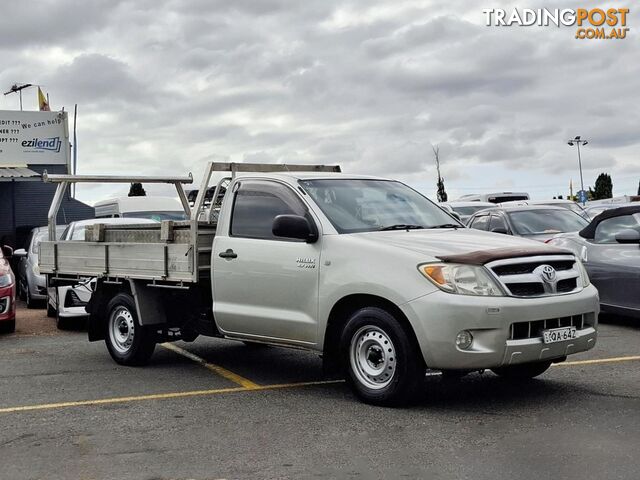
x=522, y=372
x=128, y=342
x=384, y=365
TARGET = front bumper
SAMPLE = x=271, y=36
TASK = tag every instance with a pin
x=7, y=303
x=438, y=317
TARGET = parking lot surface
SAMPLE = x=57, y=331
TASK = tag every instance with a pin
x=216, y=409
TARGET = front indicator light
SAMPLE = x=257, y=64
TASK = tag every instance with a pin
x=461, y=279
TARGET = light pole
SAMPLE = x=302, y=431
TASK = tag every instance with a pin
x=577, y=141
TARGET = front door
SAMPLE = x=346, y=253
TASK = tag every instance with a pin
x=265, y=287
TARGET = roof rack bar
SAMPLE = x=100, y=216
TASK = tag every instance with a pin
x=271, y=167
x=46, y=177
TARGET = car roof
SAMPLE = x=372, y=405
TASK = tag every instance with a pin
x=521, y=208
x=464, y=203
x=128, y=204
x=590, y=230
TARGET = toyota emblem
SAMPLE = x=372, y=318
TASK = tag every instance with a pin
x=548, y=273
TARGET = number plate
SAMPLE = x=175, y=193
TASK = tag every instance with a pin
x=554, y=335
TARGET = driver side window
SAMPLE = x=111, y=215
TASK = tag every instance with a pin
x=257, y=203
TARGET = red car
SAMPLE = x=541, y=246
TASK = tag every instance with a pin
x=7, y=292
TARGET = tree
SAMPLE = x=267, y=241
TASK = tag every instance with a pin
x=442, y=193
x=603, y=188
x=137, y=190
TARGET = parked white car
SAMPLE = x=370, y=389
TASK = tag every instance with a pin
x=155, y=208
x=67, y=302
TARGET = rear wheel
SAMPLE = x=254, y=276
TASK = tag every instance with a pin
x=128, y=342
x=522, y=372
x=384, y=366
x=27, y=297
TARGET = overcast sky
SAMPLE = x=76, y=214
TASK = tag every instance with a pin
x=162, y=87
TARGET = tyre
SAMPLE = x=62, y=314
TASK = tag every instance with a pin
x=128, y=342
x=51, y=311
x=8, y=326
x=63, y=323
x=522, y=372
x=27, y=298
x=383, y=364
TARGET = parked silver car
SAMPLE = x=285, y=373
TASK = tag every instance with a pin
x=533, y=222
x=609, y=248
x=32, y=286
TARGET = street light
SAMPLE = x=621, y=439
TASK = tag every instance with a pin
x=577, y=141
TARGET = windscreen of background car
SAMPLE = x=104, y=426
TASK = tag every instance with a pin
x=537, y=222
x=368, y=205
x=157, y=216
x=43, y=236
x=468, y=211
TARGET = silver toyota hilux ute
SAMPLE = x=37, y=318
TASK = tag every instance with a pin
x=366, y=271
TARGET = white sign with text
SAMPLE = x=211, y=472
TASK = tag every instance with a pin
x=33, y=138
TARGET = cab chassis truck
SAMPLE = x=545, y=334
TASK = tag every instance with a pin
x=305, y=256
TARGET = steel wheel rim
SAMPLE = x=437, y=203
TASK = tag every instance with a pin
x=373, y=357
x=121, y=330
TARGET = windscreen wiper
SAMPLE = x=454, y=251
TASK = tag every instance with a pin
x=446, y=225
x=401, y=226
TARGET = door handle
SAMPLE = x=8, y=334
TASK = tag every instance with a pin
x=228, y=254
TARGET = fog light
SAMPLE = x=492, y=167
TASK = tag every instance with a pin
x=464, y=339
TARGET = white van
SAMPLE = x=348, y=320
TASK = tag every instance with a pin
x=154, y=208
x=497, y=197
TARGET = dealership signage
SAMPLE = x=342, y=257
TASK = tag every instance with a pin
x=34, y=138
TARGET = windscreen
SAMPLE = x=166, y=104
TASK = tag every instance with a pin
x=468, y=211
x=368, y=205
x=157, y=216
x=538, y=222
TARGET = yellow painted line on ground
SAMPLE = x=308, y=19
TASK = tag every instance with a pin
x=223, y=372
x=161, y=396
x=597, y=361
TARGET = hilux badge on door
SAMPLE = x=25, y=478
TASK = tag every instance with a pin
x=306, y=262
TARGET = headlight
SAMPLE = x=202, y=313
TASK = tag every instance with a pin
x=583, y=273
x=461, y=279
x=36, y=269
x=6, y=280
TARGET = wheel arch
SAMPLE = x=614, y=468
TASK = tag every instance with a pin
x=340, y=314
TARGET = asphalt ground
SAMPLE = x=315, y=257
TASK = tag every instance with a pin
x=215, y=409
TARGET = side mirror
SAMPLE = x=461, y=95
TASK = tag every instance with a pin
x=455, y=215
x=628, y=235
x=500, y=230
x=7, y=251
x=294, y=226
x=20, y=253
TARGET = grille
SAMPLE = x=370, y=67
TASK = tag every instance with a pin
x=533, y=329
x=524, y=277
x=521, y=268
